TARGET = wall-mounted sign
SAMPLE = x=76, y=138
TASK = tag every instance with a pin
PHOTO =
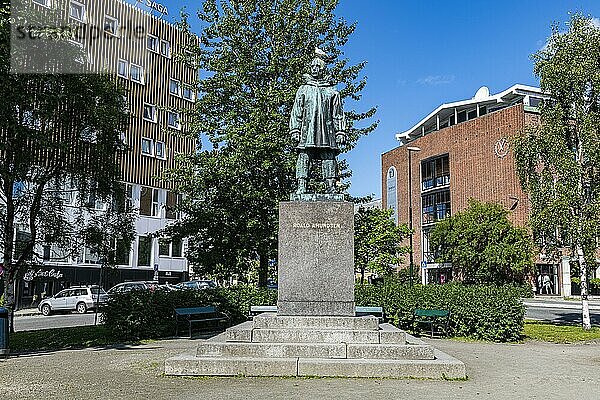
x=501, y=148
x=31, y=274
x=161, y=8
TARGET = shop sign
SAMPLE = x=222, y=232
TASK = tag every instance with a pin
x=161, y=8
x=31, y=274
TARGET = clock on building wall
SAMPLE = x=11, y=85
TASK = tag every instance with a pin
x=501, y=147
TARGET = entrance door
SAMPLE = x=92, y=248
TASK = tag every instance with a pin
x=547, y=279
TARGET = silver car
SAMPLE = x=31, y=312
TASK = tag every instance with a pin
x=78, y=299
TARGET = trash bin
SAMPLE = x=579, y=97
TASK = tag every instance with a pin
x=3, y=331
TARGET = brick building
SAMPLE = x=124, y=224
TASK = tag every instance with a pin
x=461, y=150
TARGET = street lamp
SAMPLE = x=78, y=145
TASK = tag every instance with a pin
x=410, y=149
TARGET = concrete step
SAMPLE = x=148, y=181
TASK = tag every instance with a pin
x=189, y=365
x=240, y=333
x=314, y=336
x=388, y=351
x=442, y=367
x=389, y=334
x=272, y=350
x=273, y=321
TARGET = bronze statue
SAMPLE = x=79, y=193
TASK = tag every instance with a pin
x=317, y=122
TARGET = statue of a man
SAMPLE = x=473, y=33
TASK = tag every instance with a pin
x=317, y=123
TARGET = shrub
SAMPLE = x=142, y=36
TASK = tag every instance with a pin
x=141, y=314
x=483, y=312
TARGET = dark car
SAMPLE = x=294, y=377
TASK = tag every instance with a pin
x=198, y=284
x=129, y=286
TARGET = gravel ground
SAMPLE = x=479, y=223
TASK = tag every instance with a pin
x=496, y=371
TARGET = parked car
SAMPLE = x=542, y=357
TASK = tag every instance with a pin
x=129, y=286
x=78, y=299
x=198, y=284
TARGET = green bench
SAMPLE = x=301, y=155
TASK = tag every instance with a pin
x=436, y=321
x=192, y=315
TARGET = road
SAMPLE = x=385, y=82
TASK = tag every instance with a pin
x=542, y=313
x=53, y=321
x=560, y=315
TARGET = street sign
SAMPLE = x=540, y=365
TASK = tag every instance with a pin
x=424, y=264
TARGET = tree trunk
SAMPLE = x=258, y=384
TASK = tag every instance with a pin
x=362, y=275
x=8, y=246
x=585, y=308
x=263, y=270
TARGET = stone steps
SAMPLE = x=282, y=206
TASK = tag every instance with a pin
x=272, y=321
x=442, y=367
x=316, y=350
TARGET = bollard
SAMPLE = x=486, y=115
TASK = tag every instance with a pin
x=4, y=331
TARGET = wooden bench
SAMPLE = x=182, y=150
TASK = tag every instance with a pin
x=191, y=315
x=436, y=320
x=360, y=311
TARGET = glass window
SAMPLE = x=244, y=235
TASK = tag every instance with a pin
x=123, y=69
x=144, y=251
x=172, y=200
x=176, y=248
x=462, y=116
x=435, y=206
x=175, y=87
x=159, y=149
x=152, y=43
x=155, y=203
x=145, y=201
x=147, y=146
x=111, y=25
x=45, y=3
x=150, y=112
x=472, y=114
x=136, y=73
x=77, y=11
x=122, y=252
x=164, y=247
x=188, y=94
x=173, y=120
x=435, y=173
x=165, y=48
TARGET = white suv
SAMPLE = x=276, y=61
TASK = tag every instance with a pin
x=78, y=299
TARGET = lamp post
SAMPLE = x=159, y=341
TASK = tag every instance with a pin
x=410, y=149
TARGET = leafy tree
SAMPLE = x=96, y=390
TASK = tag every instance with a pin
x=60, y=140
x=559, y=160
x=483, y=245
x=254, y=54
x=377, y=241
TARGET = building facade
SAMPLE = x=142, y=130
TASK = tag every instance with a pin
x=462, y=151
x=144, y=51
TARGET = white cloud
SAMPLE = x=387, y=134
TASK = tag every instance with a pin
x=596, y=22
x=434, y=80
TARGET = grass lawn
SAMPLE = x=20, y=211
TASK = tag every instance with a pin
x=61, y=338
x=545, y=332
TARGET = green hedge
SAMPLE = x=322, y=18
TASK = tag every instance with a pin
x=479, y=312
x=141, y=314
x=493, y=313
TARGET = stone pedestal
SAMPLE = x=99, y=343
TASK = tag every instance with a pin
x=316, y=258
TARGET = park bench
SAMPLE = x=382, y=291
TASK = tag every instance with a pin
x=190, y=315
x=436, y=321
x=360, y=311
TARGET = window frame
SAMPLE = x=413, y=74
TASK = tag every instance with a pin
x=46, y=3
x=162, y=156
x=157, y=48
x=192, y=96
x=168, y=47
x=121, y=61
x=178, y=93
x=151, y=146
x=142, y=73
x=178, y=120
x=84, y=13
x=155, y=113
x=117, y=25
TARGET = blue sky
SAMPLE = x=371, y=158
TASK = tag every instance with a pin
x=424, y=53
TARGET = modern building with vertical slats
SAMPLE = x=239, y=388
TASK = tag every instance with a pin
x=145, y=51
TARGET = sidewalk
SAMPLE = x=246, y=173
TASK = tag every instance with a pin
x=27, y=312
x=559, y=302
x=533, y=370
